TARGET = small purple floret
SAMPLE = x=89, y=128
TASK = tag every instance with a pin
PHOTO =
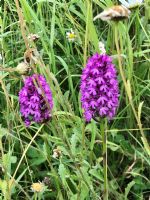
x=35, y=100
x=99, y=88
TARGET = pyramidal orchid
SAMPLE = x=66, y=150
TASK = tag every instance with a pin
x=35, y=100
x=99, y=88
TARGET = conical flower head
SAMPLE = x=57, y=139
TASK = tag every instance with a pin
x=35, y=100
x=99, y=88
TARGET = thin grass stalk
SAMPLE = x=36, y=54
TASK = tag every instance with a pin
x=22, y=25
x=104, y=141
x=87, y=31
x=8, y=69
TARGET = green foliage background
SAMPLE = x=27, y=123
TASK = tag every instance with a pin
x=78, y=173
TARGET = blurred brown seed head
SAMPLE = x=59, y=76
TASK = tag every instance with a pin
x=22, y=68
x=33, y=37
x=57, y=153
x=46, y=180
x=114, y=13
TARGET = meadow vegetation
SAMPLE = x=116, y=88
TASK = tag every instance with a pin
x=63, y=157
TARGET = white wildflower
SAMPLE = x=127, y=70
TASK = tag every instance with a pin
x=101, y=47
x=37, y=187
x=71, y=35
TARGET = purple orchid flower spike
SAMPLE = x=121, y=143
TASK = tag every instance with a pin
x=35, y=100
x=99, y=88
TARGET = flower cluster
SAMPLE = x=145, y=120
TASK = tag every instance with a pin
x=37, y=187
x=99, y=88
x=35, y=100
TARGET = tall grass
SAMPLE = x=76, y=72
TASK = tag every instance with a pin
x=27, y=153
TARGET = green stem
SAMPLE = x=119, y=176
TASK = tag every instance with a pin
x=104, y=140
x=87, y=30
x=35, y=196
x=137, y=30
x=83, y=136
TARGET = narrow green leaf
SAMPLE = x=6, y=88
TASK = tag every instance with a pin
x=128, y=188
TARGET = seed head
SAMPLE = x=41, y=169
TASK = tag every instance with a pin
x=114, y=13
x=22, y=68
x=56, y=153
x=33, y=37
